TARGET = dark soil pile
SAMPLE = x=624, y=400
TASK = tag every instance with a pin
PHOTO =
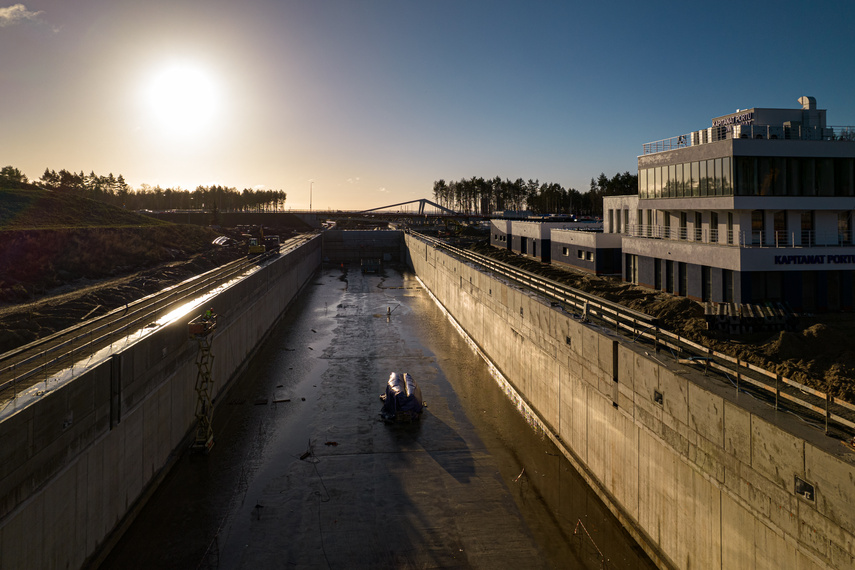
x=82, y=298
x=65, y=258
x=35, y=261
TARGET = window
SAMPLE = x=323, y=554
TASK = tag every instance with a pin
x=565, y=251
x=713, y=227
x=844, y=229
x=702, y=177
x=698, y=226
x=808, y=235
x=696, y=177
x=683, y=225
x=580, y=254
x=770, y=176
x=711, y=178
x=669, y=276
x=758, y=227
x=843, y=177
x=779, y=222
x=719, y=177
x=808, y=166
x=727, y=279
x=793, y=176
x=726, y=177
x=730, y=228
x=590, y=256
x=683, y=279
x=612, y=221
x=706, y=283
x=825, y=176
x=631, y=268
x=672, y=181
x=657, y=181
x=746, y=185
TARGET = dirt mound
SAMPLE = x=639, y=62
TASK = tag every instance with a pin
x=819, y=355
x=35, y=261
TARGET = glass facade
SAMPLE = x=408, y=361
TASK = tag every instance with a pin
x=701, y=178
x=777, y=176
x=750, y=176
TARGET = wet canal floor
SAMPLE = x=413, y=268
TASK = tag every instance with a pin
x=304, y=474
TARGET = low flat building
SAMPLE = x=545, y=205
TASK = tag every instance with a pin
x=589, y=251
x=531, y=238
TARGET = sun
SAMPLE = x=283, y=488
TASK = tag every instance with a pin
x=183, y=99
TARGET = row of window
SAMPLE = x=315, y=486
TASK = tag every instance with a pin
x=753, y=176
x=581, y=254
x=700, y=178
x=775, y=176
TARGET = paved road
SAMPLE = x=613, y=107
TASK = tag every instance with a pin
x=305, y=475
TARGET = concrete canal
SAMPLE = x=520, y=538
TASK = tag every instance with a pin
x=305, y=475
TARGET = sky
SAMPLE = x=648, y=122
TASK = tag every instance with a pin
x=356, y=104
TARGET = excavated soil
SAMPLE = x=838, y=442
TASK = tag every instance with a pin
x=819, y=354
x=78, y=300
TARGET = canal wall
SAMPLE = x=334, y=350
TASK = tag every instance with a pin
x=700, y=475
x=352, y=246
x=76, y=463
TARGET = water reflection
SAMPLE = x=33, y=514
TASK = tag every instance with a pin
x=569, y=522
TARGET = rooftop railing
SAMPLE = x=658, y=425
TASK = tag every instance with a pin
x=768, y=132
x=680, y=141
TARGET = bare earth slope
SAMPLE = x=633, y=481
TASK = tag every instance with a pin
x=64, y=258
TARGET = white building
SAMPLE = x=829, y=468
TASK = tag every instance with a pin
x=757, y=207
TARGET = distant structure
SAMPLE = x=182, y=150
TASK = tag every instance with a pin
x=755, y=208
x=579, y=244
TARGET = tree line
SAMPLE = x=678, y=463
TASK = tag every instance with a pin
x=474, y=195
x=114, y=190
x=477, y=195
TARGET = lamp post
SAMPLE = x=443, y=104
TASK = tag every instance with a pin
x=311, y=185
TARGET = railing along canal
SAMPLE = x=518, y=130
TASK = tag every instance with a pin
x=784, y=394
x=29, y=365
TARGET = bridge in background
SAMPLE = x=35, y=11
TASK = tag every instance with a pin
x=413, y=212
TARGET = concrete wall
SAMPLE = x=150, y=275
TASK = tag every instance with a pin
x=75, y=462
x=703, y=480
x=349, y=246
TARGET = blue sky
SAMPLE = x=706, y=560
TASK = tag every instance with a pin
x=370, y=102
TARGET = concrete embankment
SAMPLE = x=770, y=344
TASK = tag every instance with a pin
x=701, y=476
x=75, y=463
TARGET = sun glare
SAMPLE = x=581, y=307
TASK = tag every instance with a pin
x=183, y=99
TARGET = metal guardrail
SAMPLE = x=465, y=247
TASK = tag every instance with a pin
x=769, y=132
x=137, y=315
x=784, y=393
